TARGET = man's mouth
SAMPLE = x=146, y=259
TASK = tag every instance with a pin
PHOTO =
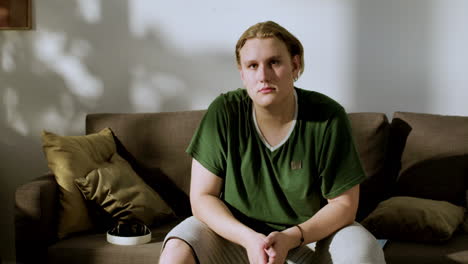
x=265, y=90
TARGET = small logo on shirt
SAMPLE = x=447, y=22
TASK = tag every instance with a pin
x=296, y=164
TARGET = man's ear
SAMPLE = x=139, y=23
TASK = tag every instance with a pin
x=296, y=65
x=241, y=73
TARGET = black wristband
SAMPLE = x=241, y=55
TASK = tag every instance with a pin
x=302, y=235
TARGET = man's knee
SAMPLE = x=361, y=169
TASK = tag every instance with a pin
x=177, y=251
x=354, y=244
x=176, y=244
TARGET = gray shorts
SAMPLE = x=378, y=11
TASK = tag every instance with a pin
x=351, y=244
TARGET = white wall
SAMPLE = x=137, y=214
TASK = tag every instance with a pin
x=144, y=56
x=410, y=56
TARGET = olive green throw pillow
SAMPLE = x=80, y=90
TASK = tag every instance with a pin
x=414, y=219
x=122, y=193
x=69, y=158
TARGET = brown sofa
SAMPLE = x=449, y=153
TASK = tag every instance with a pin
x=403, y=157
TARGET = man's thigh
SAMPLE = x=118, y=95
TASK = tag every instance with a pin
x=351, y=244
x=209, y=248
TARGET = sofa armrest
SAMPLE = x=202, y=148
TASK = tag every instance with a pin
x=36, y=214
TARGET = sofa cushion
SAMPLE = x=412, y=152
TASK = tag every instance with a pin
x=370, y=132
x=117, y=189
x=69, y=158
x=434, y=156
x=94, y=248
x=414, y=219
x=159, y=181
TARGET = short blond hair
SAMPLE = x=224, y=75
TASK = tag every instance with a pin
x=270, y=29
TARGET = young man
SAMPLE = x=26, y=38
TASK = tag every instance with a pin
x=275, y=173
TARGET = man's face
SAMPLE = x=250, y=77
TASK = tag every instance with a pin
x=267, y=71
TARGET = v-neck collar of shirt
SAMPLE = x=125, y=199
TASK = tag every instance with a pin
x=291, y=129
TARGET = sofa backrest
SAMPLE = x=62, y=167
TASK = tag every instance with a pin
x=429, y=155
x=155, y=144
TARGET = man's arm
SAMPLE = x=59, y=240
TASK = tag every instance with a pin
x=205, y=188
x=339, y=212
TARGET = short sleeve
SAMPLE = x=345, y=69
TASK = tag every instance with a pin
x=339, y=166
x=208, y=145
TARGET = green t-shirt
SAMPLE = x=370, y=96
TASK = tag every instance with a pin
x=272, y=190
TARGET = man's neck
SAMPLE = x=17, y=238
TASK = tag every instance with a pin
x=276, y=115
x=274, y=124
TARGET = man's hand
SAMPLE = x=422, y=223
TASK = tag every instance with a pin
x=255, y=248
x=277, y=246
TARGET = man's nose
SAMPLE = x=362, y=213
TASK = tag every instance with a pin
x=263, y=73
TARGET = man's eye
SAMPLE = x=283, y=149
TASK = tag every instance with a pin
x=252, y=66
x=274, y=62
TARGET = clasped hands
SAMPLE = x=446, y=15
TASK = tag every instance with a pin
x=271, y=249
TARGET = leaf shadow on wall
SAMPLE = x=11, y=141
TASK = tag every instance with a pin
x=69, y=67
